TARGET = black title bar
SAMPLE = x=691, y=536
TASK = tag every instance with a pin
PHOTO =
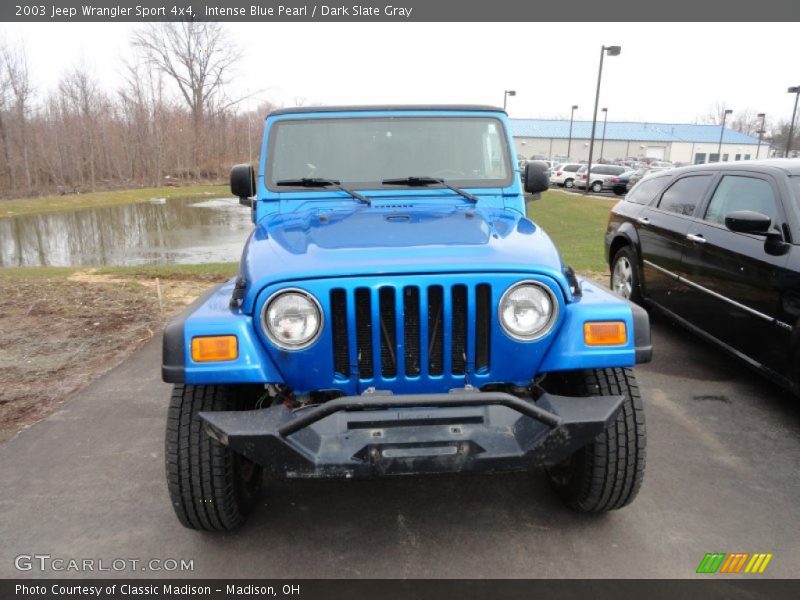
x=401, y=11
x=708, y=588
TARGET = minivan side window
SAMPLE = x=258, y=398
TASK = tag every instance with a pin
x=684, y=195
x=646, y=190
x=738, y=192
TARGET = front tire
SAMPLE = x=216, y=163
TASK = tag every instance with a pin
x=607, y=473
x=569, y=183
x=211, y=487
x=625, y=279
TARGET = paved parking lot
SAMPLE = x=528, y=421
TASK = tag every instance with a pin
x=723, y=456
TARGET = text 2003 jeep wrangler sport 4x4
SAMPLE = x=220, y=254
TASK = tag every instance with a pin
x=395, y=312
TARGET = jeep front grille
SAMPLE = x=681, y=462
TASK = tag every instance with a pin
x=410, y=331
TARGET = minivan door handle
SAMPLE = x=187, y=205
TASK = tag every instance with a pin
x=643, y=221
x=696, y=237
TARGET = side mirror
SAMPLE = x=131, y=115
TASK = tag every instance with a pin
x=537, y=177
x=748, y=221
x=243, y=183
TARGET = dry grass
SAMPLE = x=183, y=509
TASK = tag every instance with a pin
x=62, y=328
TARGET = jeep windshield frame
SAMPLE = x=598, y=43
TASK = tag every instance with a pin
x=468, y=151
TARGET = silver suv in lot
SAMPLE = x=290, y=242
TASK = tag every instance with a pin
x=563, y=175
x=600, y=177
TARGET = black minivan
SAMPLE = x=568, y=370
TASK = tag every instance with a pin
x=717, y=248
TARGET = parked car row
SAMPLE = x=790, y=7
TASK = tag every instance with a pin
x=717, y=248
x=604, y=177
x=599, y=179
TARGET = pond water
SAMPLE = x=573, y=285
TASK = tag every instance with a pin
x=171, y=231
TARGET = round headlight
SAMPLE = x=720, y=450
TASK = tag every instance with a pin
x=527, y=310
x=292, y=319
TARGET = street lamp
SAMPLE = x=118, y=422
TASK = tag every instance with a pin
x=571, y=119
x=611, y=51
x=722, y=132
x=605, y=121
x=763, y=117
x=792, y=90
x=506, y=94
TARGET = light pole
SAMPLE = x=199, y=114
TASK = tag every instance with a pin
x=571, y=119
x=796, y=91
x=506, y=94
x=611, y=51
x=763, y=117
x=605, y=121
x=725, y=114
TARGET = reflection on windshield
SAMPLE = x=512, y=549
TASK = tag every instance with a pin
x=364, y=151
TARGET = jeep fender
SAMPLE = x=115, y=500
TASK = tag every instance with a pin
x=211, y=314
x=569, y=351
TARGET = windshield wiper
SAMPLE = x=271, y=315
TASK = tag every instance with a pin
x=423, y=181
x=318, y=182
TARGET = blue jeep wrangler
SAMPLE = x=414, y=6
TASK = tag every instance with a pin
x=396, y=312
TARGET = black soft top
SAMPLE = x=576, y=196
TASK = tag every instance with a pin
x=387, y=108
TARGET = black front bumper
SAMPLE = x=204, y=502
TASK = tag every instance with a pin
x=383, y=434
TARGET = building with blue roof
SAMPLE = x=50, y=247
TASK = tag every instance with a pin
x=675, y=142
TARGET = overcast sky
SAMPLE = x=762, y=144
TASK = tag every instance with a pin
x=667, y=72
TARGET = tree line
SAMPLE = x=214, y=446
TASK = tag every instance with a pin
x=172, y=120
x=748, y=122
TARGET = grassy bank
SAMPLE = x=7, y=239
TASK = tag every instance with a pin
x=61, y=327
x=50, y=204
x=576, y=224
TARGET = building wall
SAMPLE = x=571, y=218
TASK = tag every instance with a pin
x=578, y=150
x=682, y=152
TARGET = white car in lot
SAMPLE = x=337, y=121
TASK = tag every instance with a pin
x=600, y=178
x=564, y=175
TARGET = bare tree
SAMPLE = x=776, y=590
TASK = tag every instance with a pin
x=4, y=133
x=746, y=121
x=198, y=58
x=81, y=94
x=143, y=108
x=171, y=120
x=715, y=113
x=16, y=69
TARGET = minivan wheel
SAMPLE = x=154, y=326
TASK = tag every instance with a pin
x=597, y=187
x=625, y=280
x=569, y=183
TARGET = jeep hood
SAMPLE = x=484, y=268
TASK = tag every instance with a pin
x=393, y=239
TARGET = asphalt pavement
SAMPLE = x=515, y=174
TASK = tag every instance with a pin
x=722, y=476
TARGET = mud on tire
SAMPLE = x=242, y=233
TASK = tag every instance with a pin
x=211, y=487
x=607, y=473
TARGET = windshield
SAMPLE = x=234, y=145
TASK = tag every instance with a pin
x=362, y=152
x=794, y=181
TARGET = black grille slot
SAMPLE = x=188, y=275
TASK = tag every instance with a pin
x=435, y=330
x=341, y=349
x=388, y=332
x=364, y=333
x=459, y=334
x=483, y=322
x=411, y=329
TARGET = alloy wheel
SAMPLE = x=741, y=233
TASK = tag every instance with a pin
x=622, y=277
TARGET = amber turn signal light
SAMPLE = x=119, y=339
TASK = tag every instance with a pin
x=214, y=348
x=605, y=333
